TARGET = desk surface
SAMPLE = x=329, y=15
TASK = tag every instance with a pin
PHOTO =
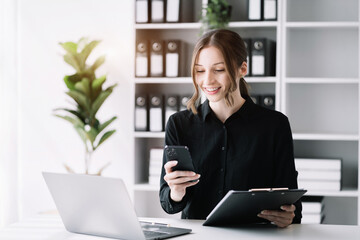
x=51, y=228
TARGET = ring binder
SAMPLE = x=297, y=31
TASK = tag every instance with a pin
x=142, y=59
x=157, y=59
x=156, y=113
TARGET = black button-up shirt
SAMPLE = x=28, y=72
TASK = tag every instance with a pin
x=252, y=149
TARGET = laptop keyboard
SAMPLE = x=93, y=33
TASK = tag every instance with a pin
x=151, y=234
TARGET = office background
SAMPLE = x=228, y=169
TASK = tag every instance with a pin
x=32, y=69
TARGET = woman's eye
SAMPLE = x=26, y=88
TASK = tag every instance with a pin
x=219, y=70
x=200, y=71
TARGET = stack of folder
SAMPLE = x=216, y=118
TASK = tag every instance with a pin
x=160, y=58
x=319, y=174
x=267, y=101
x=155, y=165
x=261, y=58
x=262, y=10
x=312, y=210
x=159, y=11
x=153, y=111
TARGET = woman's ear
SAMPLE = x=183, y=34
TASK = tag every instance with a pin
x=243, y=69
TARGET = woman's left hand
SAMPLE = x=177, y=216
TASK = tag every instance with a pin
x=282, y=218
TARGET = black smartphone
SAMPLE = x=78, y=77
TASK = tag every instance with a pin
x=182, y=155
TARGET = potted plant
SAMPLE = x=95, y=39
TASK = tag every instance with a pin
x=87, y=92
x=216, y=14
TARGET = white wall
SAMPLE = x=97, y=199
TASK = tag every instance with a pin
x=45, y=142
x=8, y=113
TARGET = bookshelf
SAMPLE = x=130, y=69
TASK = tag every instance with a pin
x=316, y=85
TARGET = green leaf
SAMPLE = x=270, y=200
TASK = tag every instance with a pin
x=83, y=86
x=99, y=101
x=97, y=83
x=70, y=85
x=70, y=47
x=105, y=124
x=72, y=61
x=97, y=86
x=99, y=61
x=104, y=137
x=92, y=134
x=82, y=133
x=78, y=114
x=80, y=99
x=88, y=49
x=74, y=121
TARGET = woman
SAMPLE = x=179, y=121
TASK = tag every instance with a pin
x=234, y=144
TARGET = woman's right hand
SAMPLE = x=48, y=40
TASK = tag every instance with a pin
x=178, y=181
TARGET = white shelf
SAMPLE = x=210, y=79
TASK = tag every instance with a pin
x=326, y=137
x=261, y=79
x=168, y=26
x=197, y=25
x=188, y=80
x=255, y=24
x=322, y=24
x=343, y=193
x=323, y=80
x=149, y=134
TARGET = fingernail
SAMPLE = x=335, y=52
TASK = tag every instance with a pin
x=282, y=208
x=199, y=175
x=263, y=212
x=193, y=174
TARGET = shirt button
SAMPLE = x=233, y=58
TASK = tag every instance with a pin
x=223, y=148
x=221, y=170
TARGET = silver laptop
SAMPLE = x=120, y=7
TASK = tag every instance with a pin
x=102, y=207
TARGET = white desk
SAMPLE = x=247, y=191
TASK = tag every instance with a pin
x=51, y=228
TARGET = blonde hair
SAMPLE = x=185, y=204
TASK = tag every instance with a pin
x=233, y=49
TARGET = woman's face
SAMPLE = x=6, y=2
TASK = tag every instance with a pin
x=210, y=74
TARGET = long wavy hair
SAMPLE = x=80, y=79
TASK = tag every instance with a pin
x=233, y=49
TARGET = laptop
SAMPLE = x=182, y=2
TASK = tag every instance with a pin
x=101, y=206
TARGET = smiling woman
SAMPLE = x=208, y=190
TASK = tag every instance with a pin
x=246, y=146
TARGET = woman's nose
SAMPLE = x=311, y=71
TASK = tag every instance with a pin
x=209, y=77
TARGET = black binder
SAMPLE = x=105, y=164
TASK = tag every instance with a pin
x=142, y=59
x=255, y=10
x=157, y=11
x=268, y=101
x=172, y=58
x=263, y=57
x=183, y=102
x=141, y=113
x=247, y=42
x=179, y=11
x=242, y=207
x=270, y=10
x=156, y=113
x=142, y=11
x=171, y=106
x=157, y=59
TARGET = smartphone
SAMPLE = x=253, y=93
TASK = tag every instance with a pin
x=182, y=155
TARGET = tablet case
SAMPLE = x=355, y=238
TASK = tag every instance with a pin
x=242, y=207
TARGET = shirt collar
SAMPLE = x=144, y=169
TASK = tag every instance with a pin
x=244, y=111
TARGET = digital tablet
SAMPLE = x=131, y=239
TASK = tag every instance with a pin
x=242, y=207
